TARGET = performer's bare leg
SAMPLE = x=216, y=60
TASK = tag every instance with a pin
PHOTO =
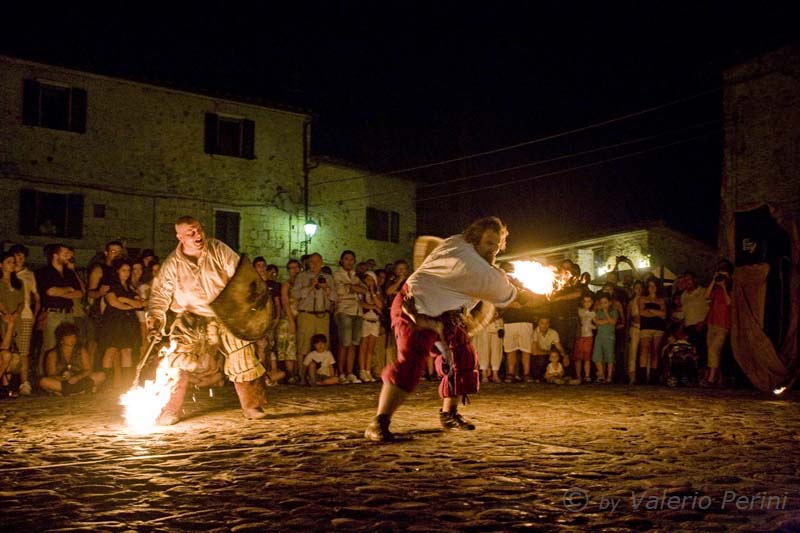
x=390, y=399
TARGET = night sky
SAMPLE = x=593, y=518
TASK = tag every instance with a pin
x=398, y=85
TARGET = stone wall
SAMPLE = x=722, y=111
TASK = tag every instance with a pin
x=142, y=158
x=339, y=196
x=762, y=137
x=655, y=243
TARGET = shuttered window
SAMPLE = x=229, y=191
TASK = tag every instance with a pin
x=53, y=214
x=229, y=136
x=383, y=225
x=226, y=227
x=54, y=107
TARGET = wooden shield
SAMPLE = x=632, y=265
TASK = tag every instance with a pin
x=244, y=306
x=423, y=247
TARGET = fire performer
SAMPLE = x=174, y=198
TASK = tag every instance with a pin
x=190, y=283
x=449, y=297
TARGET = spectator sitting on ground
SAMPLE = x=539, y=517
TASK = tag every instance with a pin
x=319, y=363
x=68, y=366
x=543, y=340
x=555, y=371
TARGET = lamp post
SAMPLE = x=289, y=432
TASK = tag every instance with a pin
x=310, y=229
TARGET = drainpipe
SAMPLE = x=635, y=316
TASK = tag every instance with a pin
x=308, y=166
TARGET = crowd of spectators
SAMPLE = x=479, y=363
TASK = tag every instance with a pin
x=638, y=331
x=67, y=330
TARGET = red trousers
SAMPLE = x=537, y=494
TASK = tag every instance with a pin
x=415, y=345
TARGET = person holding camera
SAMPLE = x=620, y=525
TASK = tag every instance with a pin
x=718, y=320
x=314, y=292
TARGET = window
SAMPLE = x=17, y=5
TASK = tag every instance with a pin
x=383, y=225
x=52, y=214
x=226, y=227
x=53, y=106
x=230, y=136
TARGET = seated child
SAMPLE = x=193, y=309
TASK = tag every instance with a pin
x=555, y=370
x=318, y=363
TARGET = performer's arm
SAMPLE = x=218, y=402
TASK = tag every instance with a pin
x=493, y=285
x=161, y=294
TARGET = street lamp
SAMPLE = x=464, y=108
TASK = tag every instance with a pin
x=310, y=229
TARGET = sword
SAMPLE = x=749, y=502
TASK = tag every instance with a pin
x=156, y=340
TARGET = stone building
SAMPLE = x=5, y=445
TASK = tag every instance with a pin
x=762, y=138
x=372, y=214
x=648, y=246
x=86, y=158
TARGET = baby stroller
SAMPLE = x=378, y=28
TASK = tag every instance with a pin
x=679, y=362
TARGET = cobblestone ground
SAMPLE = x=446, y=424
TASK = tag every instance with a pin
x=543, y=458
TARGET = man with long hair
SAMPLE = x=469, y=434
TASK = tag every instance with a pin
x=434, y=314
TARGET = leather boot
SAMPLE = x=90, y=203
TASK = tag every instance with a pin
x=252, y=397
x=171, y=412
x=378, y=429
x=453, y=420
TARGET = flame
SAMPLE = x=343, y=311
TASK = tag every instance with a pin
x=778, y=391
x=143, y=405
x=536, y=277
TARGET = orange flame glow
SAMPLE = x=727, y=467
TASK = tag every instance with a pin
x=143, y=405
x=536, y=277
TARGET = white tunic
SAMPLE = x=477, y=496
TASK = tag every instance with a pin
x=454, y=276
x=183, y=285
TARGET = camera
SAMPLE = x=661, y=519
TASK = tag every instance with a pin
x=321, y=279
x=501, y=333
x=719, y=277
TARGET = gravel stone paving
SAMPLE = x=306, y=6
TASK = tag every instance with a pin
x=543, y=458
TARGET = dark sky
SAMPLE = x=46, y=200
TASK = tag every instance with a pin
x=395, y=85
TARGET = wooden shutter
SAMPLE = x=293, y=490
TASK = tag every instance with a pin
x=248, y=139
x=77, y=116
x=27, y=212
x=30, y=103
x=73, y=225
x=394, y=226
x=211, y=133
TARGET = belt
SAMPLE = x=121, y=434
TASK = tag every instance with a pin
x=371, y=321
x=57, y=310
x=315, y=313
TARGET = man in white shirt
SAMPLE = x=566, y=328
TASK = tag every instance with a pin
x=544, y=337
x=190, y=279
x=431, y=312
x=348, y=314
x=695, y=308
